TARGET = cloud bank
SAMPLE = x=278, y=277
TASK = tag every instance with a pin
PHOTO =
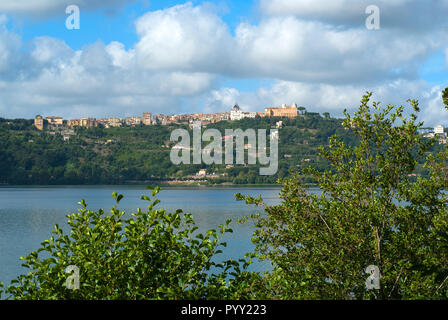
x=321, y=58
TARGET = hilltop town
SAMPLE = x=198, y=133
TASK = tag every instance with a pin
x=147, y=118
x=194, y=120
x=137, y=149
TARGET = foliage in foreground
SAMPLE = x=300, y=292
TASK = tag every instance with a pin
x=372, y=211
x=152, y=255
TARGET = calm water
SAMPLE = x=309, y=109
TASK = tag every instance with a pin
x=28, y=214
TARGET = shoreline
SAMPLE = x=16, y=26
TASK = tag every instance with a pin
x=142, y=186
x=164, y=184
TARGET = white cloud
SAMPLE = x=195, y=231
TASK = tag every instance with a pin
x=190, y=38
x=334, y=98
x=99, y=80
x=13, y=62
x=7, y=43
x=402, y=14
x=310, y=8
x=183, y=37
x=434, y=112
x=182, y=53
x=51, y=50
x=120, y=57
x=293, y=49
x=222, y=99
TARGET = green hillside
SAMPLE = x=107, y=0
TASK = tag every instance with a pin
x=142, y=153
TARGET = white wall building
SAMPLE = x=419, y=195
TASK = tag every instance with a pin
x=196, y=124
x=237, y=114
x=439, y=130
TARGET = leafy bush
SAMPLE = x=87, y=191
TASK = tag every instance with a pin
x=372, y=211
x=152, y=255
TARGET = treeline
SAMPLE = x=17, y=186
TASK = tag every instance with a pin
x=142, y=153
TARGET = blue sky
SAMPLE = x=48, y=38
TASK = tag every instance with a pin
x=434, y=69
x=117, y=24
x=132, y=56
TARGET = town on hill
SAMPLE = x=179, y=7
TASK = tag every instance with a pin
x=56, y=151
x=148, y=119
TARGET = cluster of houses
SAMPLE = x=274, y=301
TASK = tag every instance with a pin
x=194, y=119
x=439, y=131
x=57, y=122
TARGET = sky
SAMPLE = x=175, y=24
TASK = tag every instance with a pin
x=170, y=57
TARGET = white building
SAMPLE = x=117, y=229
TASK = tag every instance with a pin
x=439, y=130
x=136, y=120
x=114, y=122
x=237, y=114
x=196, y=124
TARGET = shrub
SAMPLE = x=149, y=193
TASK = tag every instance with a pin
x=152, y=255
x=372, y=211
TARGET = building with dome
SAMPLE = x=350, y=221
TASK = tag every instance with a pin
x=237, y=114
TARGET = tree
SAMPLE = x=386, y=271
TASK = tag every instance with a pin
x=302, y=110
x=151, y=255
x=326, y=115
x=370, y=212
x=445, y=97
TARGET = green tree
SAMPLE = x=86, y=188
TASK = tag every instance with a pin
x=302, y=110
x=370, y=212
x=445, y=97
x=151, y=255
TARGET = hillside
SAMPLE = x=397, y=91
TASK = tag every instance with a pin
x=141, y=154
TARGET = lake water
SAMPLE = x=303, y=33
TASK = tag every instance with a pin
x=28, y=214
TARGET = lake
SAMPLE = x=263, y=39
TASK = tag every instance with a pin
x=28, y=214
